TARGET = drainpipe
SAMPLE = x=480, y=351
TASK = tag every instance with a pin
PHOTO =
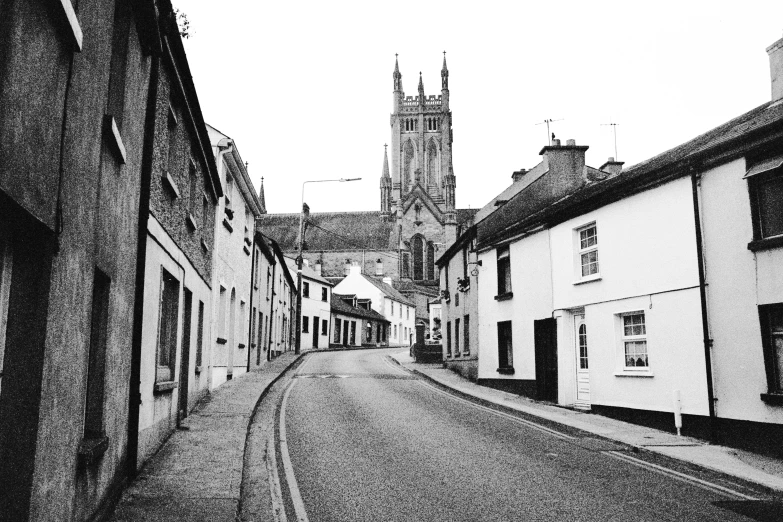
x=695, y=181
x=134, y=393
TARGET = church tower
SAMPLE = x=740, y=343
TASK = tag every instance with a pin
x=421, y=142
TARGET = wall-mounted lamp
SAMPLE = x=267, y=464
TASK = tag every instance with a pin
x=475, y=271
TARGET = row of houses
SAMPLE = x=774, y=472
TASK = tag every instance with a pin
x=133, y=279
x=635, y=292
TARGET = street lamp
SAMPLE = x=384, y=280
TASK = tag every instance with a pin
x=299, y=260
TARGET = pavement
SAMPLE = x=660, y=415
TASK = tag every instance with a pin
x=197, y=473
x=752, y=467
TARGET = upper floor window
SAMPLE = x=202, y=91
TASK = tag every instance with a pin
x=504, y=271
x=765, y=182
x=588, y=250
x=324, y=294
x=305, y=289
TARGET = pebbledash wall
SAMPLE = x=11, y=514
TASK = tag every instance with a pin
x=180, y=239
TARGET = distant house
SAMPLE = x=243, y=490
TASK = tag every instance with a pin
x=458, y=306
x=232, y=267
x=391, y=304
x=262, y=303
x=283, y=314
x=355, y=323
x=316, y=299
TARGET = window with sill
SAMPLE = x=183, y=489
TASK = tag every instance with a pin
x=305, y=324
x=305, y=289
x=765, y=183
x=504, y=271
x=448, y=338
x=324, y=327
x=505, y=347
x=466, y=335
x=456, y=337
x=167, y=327
x=324, y=294
x=634, y=341
x=587, y=253
x=771, y=319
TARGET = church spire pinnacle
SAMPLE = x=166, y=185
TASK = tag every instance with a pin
x=385, y=173
x=421, y=87
x=444, y=74
x=261, y=197
x=396, y=75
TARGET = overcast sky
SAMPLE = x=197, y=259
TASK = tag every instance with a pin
x=305, y=88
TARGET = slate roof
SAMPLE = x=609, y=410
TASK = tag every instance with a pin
x=339, y=306
x=410, y=286
x=733, y=139
x=390, y=291
x=340, y=231
x=332, y=231
x=307, y=272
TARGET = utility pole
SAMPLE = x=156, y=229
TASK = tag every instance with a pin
x=303, y=217
x=614, y=130
x=549, y=135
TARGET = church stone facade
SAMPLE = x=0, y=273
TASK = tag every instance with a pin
x=417, y=220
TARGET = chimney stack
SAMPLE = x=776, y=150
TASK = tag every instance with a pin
x=612, y=167
x=565, y=163
x=387, y=280
x=519, y=174
x=775, y=52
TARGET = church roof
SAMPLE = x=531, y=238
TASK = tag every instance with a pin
x=465, y=216
x=330, y=231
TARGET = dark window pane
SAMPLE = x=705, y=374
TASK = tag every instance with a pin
x=770, y=200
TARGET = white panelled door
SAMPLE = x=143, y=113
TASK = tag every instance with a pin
x=582, y=366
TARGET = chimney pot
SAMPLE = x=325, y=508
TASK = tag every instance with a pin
x=775, y=52
x=571, y=143
x=556, y=143
x=519, y=174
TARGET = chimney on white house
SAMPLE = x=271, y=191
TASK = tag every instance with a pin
x=612, y=167
x=356, y=269
x=519, y=174
x=387, y=280
x=306, y=263
x=775, y=52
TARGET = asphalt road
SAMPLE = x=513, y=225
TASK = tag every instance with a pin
x=359, y=438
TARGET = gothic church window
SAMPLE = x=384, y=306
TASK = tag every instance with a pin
x=430, y=261
x=418, y=258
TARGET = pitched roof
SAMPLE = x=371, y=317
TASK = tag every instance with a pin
x=307, y=272
x=465, y=215
x=389, y=291
x=339, y=306
x=410, y=286
x=733, y=139
x=332, y=231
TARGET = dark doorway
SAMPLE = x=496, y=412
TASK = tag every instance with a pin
x=316, y=324
x=545, y=334
x=185, y=362
x=345, y=333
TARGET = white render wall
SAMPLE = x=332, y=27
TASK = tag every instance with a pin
x=738, y=281
x=313, y=306
x=531, y=284
x=232, y=271
x=648, y=262
x=356, y=283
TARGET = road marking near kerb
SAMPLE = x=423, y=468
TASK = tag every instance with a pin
x=290, y=477
x=709, y=486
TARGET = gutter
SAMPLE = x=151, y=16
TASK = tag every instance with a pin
x=695, y=182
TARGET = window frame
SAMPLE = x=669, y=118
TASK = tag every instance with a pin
x=583, y=247
x=773, y=365
x=505, y=347
x=503, y=263
x=633, y=338
x=466, y=335
x=324, y=294
x=774, y=177
x=164, y=373
x=305, y=289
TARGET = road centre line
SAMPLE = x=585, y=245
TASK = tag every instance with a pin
x=290, y=477
x=709, y=486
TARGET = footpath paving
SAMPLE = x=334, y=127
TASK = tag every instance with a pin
x=745, y=465
x=196, y=475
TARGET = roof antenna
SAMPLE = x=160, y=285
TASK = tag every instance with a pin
x=614, y=129
x=548, y=133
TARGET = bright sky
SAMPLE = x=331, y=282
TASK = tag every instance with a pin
x=305, y=88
